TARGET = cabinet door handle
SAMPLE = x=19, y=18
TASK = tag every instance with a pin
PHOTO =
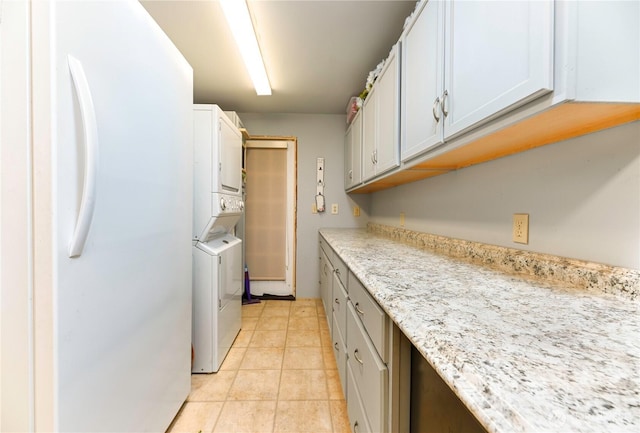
x=350, y=174
x=355, y=355
x=443, y=106
x=435, y=106
x=337, y=271
x=358, y=310
x=375, y=156
x=335, y=346
x=355, y=427
x=336, y=301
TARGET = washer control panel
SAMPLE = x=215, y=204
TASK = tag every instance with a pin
x=226, y=204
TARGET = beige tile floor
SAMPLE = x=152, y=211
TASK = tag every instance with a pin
x=279, y=376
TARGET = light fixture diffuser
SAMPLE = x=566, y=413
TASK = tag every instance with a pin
x=237, y=14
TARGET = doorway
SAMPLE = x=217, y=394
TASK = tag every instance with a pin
x=270, y=215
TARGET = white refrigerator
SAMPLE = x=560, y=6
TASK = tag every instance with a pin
x=95, y=218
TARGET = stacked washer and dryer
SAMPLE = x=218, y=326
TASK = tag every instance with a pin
x=218, y=274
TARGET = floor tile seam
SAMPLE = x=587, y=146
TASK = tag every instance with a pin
x=218, y=416
x=235, y=375
x=328, y=391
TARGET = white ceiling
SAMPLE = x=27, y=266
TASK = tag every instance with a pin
x=317, y=52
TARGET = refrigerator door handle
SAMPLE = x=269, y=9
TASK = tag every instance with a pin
x=90, y=129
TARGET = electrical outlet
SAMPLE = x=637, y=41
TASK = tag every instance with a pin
x=334, y=209
x=521, y=228
x=356, y=211
x=314, y=208
x=401, y=219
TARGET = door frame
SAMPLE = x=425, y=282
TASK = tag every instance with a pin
x=292, y=196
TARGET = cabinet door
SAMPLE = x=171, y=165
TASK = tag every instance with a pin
x=353, y=153
x=348, y=158
x=422, y=80
x=369, y=119
x=498, y=56
x=326, y=285
x=356, y=149
x=388, y=104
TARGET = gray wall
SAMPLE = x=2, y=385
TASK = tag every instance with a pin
x=319, y=136
x=582, y=197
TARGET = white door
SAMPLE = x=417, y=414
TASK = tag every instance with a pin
x=499, y=54
x=114, y=172
x=422, y=81
x=270, y=215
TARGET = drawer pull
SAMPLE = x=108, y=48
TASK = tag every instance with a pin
x=358, y=310
x=337, y=271
x=355, y=427
x=337, y=301
x=335, y=346
x=355, y=355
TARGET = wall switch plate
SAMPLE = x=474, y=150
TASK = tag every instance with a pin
x=334, y=209
x=401, y=219
x=521, y=228
x=356, y=211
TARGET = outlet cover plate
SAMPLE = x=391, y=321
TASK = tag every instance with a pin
x=521, y=228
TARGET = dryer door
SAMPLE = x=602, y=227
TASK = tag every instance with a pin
x=231, y=272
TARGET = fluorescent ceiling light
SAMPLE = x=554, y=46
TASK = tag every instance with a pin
x=237, y=14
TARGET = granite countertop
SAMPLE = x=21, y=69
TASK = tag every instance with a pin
x=523, y=355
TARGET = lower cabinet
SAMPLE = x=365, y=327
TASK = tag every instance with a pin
x=357, y=418
x=326, y=284
x=369, y=372
x=340, y=353
x=364, y=343
x=387, y=383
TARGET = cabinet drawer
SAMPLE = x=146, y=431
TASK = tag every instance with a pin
x=372, y=316
x=340, y=305
x=340, y=269
x=340, y=352
x=326, y=285
x=324, y=246
x=357, y=418
x=369, y=372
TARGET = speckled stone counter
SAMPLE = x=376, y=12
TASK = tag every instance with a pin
x=524, y=355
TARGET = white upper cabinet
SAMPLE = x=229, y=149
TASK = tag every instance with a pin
x=353, y=153
x=380, y=117
x=388, y=102
x=498, y=55
x=369, y=137
x=465, y=62
x=422, y=81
